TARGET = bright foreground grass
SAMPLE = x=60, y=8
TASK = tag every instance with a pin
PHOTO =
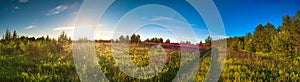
x=239, y=66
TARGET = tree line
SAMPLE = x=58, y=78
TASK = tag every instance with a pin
x=284, y=40
x=12, y=43
x=136, y=38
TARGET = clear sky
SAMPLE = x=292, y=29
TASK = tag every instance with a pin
x=50, y=17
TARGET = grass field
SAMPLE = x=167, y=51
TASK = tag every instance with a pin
x=50, y=66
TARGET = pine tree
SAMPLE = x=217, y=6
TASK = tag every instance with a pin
x=259, y=37
x=286, y=20
x=249, y=43
x=161, y=40
x=233, y=43
x=147, y=40
x=63, y=37
x=7, y=35
x=270, y=31
x=168, y=41
x=48, y=38
x=122, y=38
x=127, y=38
x=15, y=35
x=208, y=41
x=240, y=43
x=201, y=43
x=135, y=38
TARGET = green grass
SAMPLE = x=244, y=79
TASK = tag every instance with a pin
x=53, y=66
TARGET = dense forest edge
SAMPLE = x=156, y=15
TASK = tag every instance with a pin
x=283, y=40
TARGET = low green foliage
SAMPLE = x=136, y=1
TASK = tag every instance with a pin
x=47, y=66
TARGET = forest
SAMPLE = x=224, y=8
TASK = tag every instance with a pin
x=268, y=54
x=283, y=40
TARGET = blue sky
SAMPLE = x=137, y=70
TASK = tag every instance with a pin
x=50, y=17
x=241, y=16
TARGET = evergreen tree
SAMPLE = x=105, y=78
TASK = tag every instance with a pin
x=259, y=37
x=240, y=43
x=48, y=38
x=188, y=42
x=161, y=40
x=122, y=38
x=233, y=43
x=249, y=43
x=208, y=41
x=168, y=41
x=63, y=37
x=147, y=40
x=15, y=35
x=135, y=38
x=7, y=35
x=270, y=31
x=286, y=20
x=127, y=38
x=201, y=43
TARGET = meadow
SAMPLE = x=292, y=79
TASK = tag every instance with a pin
x=51, y=60
x=268, y=52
